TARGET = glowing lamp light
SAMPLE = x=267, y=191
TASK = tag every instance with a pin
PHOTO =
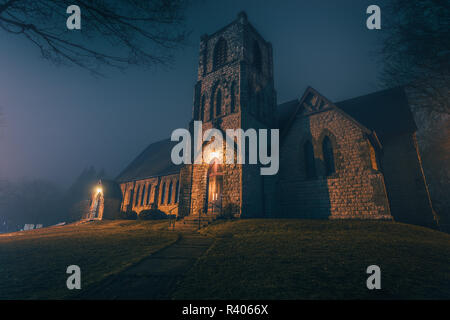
x=213, y=155
x=99, y=190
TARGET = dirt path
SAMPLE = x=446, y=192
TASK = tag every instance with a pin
x=154, y=277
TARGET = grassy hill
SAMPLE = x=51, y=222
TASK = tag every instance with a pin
x=249, y=259
x=33, y=263
x=306, y=259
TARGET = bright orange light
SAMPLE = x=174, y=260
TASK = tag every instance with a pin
x=214, y=155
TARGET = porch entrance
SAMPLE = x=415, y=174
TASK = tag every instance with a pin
x=214, y=188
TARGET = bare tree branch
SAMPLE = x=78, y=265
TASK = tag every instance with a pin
x=114, y=33
x=416, y=50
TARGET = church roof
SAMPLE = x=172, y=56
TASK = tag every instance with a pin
x=285, y=111
x=154, y=161
x=386, y=112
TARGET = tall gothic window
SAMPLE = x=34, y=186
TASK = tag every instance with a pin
x=143, y=195
x=309, y=160
x=177, y=191
x=257, y=58
x=218, y=102
x=136, y=198
x=129, y=196
x=163, y=193
x=205, y=59
x=220, y=54
x=328, y=157
x=169, y=193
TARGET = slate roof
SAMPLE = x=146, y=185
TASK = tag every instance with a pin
x=387, y=112
x=285, y=111
x=152, y=162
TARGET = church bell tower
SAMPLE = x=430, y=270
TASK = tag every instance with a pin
x=234, y=89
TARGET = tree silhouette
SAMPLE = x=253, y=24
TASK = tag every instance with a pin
x=113, y=33
x=30, y=201
x=416, y=50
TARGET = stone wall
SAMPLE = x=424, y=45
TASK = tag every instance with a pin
x=355, y=190
x=111, y=209
x=184, y=205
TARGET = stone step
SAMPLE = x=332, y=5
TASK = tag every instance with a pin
x=194, y=222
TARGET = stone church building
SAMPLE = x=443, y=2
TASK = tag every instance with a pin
x=354, y=159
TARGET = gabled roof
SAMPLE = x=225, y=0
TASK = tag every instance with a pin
x=312, y=102
x=154, y=161
x=387, y=112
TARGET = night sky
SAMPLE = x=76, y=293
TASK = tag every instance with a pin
x=59, y=120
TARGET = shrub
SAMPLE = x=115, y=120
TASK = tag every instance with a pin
x=128, y=215
x=152, y=214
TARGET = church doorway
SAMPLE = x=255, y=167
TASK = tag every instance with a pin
x=97, y=204
x=214, y=188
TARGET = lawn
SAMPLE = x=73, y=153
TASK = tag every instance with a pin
x=249, y=259
x=312, y=259
x=33, y=263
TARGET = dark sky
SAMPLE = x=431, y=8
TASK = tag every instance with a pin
x=59, y=120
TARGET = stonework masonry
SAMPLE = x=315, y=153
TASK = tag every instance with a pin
x=355, y=190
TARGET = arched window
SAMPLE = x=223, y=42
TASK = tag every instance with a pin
x=205, y=59
x=136, y=198
x=218, y=102
x=373, y=157
x=143, y=195
x=163, y=193
x=177, y=190
x=233, y=97
x=328, y=157
x=309, y=160
x=169, y=193
x=202, y=108
x=220, y=53
x=257, y=58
